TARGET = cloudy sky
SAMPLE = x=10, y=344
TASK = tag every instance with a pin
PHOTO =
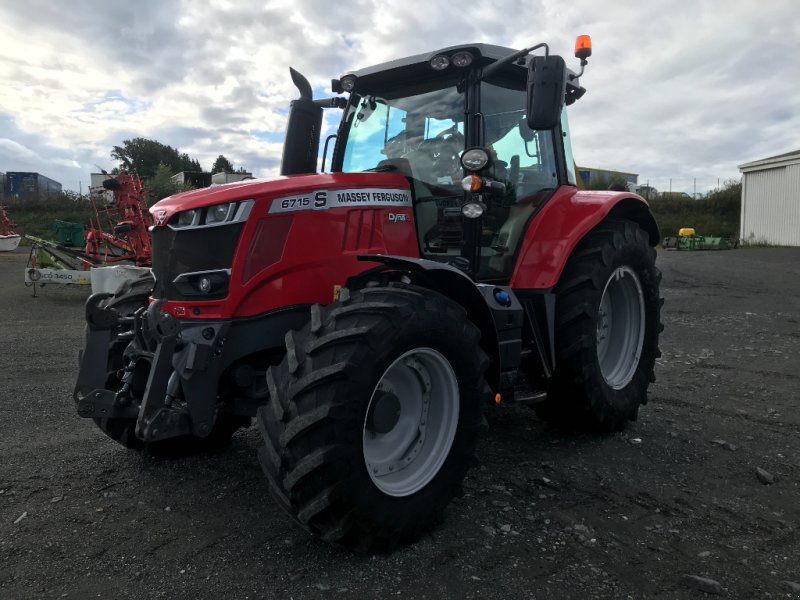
x=676, y=90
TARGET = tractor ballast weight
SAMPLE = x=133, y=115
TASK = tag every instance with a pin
x=368, y=315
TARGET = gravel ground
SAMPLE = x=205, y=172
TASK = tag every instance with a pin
x=674, y=507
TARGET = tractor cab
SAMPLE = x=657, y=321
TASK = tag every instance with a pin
x=418, y=116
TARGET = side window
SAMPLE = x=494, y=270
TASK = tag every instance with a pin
x=567, y=147
x=525, y=158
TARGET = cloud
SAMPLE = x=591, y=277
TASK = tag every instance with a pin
x=676, y=91
x=14, y=151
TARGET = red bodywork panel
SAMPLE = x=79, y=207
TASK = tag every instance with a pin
x=556, y=229
x=293, y=257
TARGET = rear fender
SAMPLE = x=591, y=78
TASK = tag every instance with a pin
x=566, y=218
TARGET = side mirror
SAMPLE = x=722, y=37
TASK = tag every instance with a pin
x=547, y=82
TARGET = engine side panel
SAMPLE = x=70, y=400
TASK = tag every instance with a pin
x=562, y=222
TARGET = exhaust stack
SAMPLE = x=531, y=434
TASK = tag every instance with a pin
x=301, y=146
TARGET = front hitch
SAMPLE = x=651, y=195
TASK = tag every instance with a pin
x=160, y=368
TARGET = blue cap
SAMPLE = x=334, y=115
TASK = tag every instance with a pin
x=502, y=297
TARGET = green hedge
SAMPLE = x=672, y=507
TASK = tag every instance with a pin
x=717, y=214
x=36, y=217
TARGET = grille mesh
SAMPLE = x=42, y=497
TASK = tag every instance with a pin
x=190, y=250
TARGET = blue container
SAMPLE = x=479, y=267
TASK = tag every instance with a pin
x=26, y=185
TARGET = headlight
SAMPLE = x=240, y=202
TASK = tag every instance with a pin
x=218, y=213
x=203, y=283
x=473, y=210
x=187, y=218
x=475, y=159
x=440, y=62
x=212, y=216
x=348, y=83
x=462, y=59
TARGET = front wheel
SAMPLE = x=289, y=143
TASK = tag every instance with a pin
x=373, y=416
x=608, y=319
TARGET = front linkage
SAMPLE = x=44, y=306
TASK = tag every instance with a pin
x=159, y=359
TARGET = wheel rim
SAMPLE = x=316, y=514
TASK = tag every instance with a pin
x=620, y=327
x=411, y=422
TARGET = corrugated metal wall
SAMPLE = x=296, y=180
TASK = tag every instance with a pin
x=771, y=206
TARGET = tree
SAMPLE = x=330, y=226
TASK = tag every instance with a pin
x=612, y=181
x=161, y=184
x=222, y=165
x=143, y=156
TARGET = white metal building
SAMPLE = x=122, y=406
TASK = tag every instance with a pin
x=771, y=200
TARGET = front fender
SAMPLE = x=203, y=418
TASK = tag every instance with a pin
x=566, y=218
x=456, y=285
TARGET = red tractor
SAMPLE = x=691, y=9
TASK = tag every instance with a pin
x=366, y=316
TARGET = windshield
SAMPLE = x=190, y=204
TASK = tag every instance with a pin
x=421, y=135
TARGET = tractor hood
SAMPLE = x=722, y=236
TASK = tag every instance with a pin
x=164, y=209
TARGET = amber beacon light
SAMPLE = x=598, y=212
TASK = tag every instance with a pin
x=583, y=47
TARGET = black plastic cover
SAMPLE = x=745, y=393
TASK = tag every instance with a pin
x=547, y=82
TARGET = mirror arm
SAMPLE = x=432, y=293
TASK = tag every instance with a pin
x=496, y=66
x=335, y=102
x=575, y=76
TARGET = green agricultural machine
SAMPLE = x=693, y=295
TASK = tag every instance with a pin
x=687, y=239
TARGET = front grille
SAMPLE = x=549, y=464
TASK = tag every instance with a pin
x=190, y=250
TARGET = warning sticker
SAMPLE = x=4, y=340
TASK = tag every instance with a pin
x=326, y=199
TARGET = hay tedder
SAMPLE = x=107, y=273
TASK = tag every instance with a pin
x=368, y=313
x=118, y=234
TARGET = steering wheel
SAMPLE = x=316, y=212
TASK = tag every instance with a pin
x=445, y=150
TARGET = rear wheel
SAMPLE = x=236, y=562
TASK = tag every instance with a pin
x=373, y=416
x=606, y=332
x=127, y=301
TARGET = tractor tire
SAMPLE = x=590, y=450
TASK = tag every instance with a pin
x=373, y=416
x=127, y=301
x=608, y=319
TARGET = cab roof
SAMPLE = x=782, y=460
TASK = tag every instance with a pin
x=411, y=69
x=482, y=53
